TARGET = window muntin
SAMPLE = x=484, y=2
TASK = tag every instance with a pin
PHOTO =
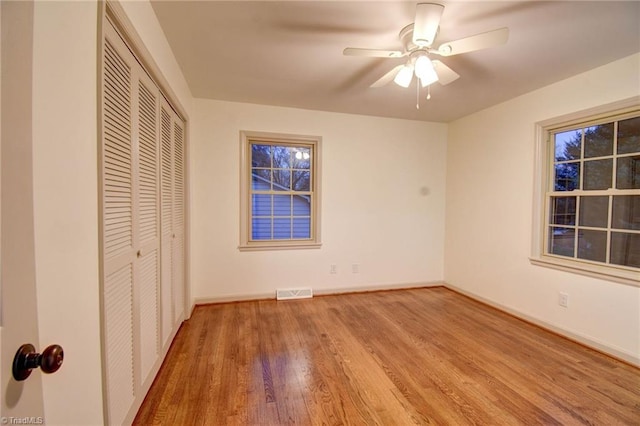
x=280, y=192
x=593, y=196
x=280, y=185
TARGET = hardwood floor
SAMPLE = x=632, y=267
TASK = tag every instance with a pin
x=423, y=356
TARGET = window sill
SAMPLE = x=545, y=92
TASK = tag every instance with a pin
x=609, y=273
x=293, y=245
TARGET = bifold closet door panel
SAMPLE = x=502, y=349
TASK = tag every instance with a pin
x=178, y=218
x=148, y=220
x=166, y=197
x=118, y=220
x=172, y=211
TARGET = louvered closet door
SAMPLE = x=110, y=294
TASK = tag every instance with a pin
x=178, y=219
x=166, y=179
x=172, y=184
x=148, y=218
x=119, y=250
x=131, y=227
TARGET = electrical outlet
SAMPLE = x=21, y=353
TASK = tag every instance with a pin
x=355, y=268
x=333, y=269
x=563, y=300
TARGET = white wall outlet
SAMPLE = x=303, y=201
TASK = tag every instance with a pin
x=333, y=269
x=563, y=299
x=355, y=268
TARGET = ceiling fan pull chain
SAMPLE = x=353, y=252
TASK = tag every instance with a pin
x=428, y=92
x=418, y=95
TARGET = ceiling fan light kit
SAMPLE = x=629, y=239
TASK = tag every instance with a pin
x=404, y=76
x=417, y=40
x=425, y=71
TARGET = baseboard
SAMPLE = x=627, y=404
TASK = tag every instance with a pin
x=380, y=287
x=316, y=292
x=233, y=298
x=576, y=337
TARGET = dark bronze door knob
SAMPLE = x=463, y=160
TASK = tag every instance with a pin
x=26, y=359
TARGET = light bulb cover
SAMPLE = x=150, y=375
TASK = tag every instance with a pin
x=429, y=78
x=404, y=76
x=425, y=71
x=423, y=66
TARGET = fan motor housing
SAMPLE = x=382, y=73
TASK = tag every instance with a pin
x=406, y=38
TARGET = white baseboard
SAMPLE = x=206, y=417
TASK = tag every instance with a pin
x=233, y=298
x=576, y=337
x=316, y=292
x=380, y=287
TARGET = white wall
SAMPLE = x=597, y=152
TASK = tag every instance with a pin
x=489, y=214
x=373, y=211
x=65, y=205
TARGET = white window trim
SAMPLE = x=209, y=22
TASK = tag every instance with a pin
x=538, y=257
x=248, y=137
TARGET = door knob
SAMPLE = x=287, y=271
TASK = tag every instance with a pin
x=26, y=359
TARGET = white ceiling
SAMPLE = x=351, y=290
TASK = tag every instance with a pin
x=289, y=53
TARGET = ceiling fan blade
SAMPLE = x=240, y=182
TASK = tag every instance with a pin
x=373, y=53
x=387, y=78
x=474, y=42
x=445, y=74
x=426, y=24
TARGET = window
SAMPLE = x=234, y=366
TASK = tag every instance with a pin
x=280, y=200
x=590, y=204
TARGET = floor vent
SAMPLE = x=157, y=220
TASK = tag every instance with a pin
x=293, y=293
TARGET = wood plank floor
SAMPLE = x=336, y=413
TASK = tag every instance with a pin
x=423, y=356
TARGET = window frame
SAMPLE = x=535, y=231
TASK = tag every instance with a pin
x=544, y=178
x=247, y=138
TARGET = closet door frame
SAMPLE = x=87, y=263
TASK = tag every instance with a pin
x=112, y=13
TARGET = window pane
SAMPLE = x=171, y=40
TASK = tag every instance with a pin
x=626, y=212
x=598, y=174
x=281, y=180
x=301, y=181
x=628, y=173
x=282, y=205
x=598, y=140
x=301, y=205
x=561, y=241
x=282, y=157
x=567, y=177
x=592, y=245
x=563, y=210
x=260, y=155
x=629, y=136
x=594, y=211
x=261, y=229
x=302, y=158
x=261, y=179
x=279, y=192
x=302, y=227
x=261, y=205
x=625, y=249
x=282, y=228
x=567, y=145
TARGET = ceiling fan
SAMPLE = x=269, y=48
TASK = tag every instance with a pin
x=417, y=41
